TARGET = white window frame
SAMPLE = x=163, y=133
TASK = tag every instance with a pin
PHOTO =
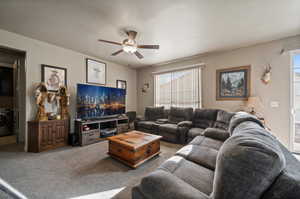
x=292, y=101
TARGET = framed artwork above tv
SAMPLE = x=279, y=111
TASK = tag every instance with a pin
x=95, y=72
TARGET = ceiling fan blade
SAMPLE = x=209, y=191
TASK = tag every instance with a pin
x=110, y=42
x=131, y=34
x=116, y=53
x=148, y=46
x=139, y=55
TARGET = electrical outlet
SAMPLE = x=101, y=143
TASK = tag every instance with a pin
x=274, y=104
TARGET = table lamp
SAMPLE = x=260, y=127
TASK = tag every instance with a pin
x=254, y=104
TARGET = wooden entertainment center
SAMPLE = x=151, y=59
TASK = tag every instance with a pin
x=92, y=131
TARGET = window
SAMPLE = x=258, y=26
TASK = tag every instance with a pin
x=179, y=88
x=295, y=81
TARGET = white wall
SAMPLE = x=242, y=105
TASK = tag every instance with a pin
x=38, y=52
x=278, y=119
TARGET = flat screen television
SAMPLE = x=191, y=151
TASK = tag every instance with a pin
x=95, y=102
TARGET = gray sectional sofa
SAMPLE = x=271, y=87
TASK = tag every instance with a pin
x=246, y=163
x=181, y=125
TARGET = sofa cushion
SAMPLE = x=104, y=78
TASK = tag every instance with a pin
x=223, y=119
x=171, y=128
x=206, y=142
x=193, y=132
x=154, y=113
x=161, y=184
x=204, y=118
x=197, y=176
x=247, y=164
x=216, y=133
x=177, y=114
x=146, y=124
x=203, y=156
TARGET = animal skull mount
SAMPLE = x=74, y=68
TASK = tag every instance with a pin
x=266, y=77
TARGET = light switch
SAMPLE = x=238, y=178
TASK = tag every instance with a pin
x=274, y=104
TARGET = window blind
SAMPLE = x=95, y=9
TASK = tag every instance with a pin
x=179, y=88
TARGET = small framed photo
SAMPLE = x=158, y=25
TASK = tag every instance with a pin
x=54, y=77
x=233, y=83
x=95, y=72
x=122, y=84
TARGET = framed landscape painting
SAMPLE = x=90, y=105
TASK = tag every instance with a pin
x=95, y=72
x=54, y=77
x=233, y=83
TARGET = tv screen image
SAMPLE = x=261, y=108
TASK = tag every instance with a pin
x=98, y=101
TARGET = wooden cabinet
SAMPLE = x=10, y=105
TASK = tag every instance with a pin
x=46, y=135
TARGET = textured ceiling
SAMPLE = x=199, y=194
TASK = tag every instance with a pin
x=182, y=27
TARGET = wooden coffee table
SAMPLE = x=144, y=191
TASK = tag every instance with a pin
x=134, y=148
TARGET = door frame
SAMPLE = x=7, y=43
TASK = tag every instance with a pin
x=292, y=100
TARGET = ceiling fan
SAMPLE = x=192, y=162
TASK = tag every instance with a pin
x=129, y=45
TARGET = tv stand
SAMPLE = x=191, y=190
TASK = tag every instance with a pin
x=96, y=130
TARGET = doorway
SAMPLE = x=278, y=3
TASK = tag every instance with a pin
x=12, y=96
x=295, y=102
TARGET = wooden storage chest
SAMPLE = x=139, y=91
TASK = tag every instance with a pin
x=134, y=148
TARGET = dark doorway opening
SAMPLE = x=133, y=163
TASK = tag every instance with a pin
x=12, y=96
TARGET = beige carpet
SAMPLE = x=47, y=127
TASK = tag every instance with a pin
x=72, y=171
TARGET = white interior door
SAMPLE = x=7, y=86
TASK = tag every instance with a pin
x=295, y=102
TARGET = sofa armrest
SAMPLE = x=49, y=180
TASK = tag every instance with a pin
x=183, y=128
x=162, y=121
x=162, y=184
x=217, y=134
x=187, y=124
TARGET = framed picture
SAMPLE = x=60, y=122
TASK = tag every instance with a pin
x=95, y=72
x=54, y=77
x=122, y=84
x=233, y=83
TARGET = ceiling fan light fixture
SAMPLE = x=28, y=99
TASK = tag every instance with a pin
x=130, y=45
x=129, y=49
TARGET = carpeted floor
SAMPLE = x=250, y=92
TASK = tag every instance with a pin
x=72, y=171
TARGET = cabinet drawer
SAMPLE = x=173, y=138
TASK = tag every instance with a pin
x=90, y=137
